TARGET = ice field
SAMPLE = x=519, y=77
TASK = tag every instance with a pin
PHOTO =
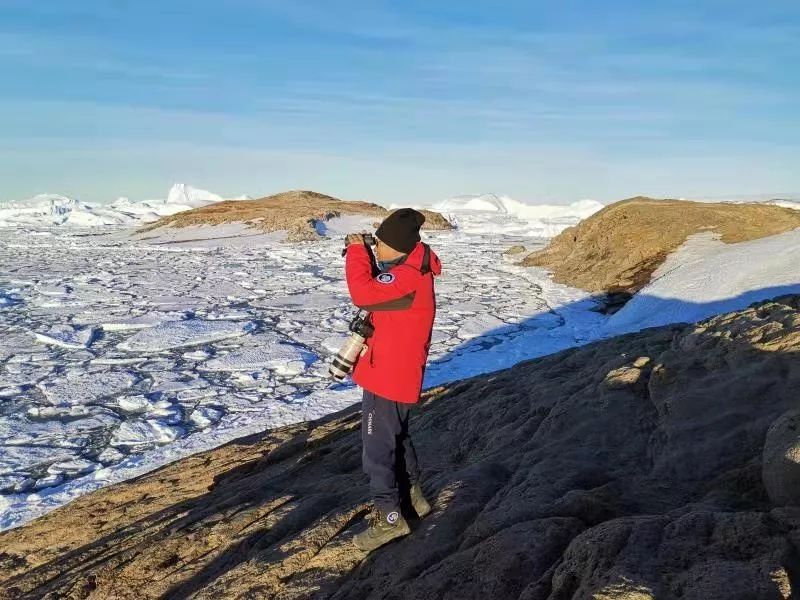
x=117, y=355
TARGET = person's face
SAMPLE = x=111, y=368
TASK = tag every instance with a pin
x=385, y=253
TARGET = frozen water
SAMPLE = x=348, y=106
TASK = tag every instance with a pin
x=144, y=433
x=179, y=334
x=286, y=359
x=202, y=341
x=142, y=321
x=67, y=336
x=83, y=388
x=205, y=416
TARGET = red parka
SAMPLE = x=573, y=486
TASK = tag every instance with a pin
x=403, y=305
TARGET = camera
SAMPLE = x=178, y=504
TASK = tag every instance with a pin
x=369, y=240
x=354, y=348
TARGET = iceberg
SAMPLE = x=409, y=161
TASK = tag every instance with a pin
x=496, y=214
x=47, y=210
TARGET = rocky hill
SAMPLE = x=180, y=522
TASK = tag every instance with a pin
x=618, y=248
x=656, y=465
x=297, y=212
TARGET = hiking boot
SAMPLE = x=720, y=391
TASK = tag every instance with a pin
x=421, y=506
x=383, y=528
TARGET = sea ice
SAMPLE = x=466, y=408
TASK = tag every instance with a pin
x=77, y=466
x=145, y=432
x=205, y=416
x=110, y=456
x=67, y=336
x=198, y=355
x=10, y=392
x=477, y=325
x=179, y=334
x=285, y=359
x=134, y=404
x=144, y=321
x=85, y=388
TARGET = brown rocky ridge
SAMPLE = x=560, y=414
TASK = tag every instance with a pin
x=297, y=212
x=661, y=465
x=617, y=249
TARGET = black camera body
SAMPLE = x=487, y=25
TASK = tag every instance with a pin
x=354, y=347
x=369, y=240
x=360, y=325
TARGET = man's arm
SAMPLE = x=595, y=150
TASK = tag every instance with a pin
x=387, y=291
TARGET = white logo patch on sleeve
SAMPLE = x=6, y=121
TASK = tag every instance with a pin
x=385, y=278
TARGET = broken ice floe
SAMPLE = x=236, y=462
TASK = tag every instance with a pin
x=205, y=416
x=67, y=336
x=76, y=466
x=84, y=388
x=179, y=334
x=284, y=359
x=144, y=321
x=143, y=432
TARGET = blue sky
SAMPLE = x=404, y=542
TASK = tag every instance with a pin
x=400, y=101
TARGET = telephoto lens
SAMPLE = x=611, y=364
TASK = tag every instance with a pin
x=344, y=362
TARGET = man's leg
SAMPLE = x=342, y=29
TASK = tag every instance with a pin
x=409, y=455
x=379, y=429
x=406, y=446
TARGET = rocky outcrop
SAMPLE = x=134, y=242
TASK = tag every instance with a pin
x=296, y=212
x=434, y=221
x=781, y=460
x=617, y=249
x=515, y=250
x=630, y=468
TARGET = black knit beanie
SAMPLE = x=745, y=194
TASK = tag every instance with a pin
x=400, y=230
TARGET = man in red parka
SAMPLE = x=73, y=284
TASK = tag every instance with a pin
x=398, y=292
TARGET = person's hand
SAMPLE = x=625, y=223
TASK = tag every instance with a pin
x=354, y=238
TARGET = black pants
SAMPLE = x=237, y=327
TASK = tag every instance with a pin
x=388, y=456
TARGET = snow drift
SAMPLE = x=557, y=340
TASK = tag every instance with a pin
x=706, y=277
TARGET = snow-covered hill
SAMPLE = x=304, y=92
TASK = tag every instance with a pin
x=706, y=277
x=46, y=210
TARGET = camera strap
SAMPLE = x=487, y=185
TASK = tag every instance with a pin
x=425, y=268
